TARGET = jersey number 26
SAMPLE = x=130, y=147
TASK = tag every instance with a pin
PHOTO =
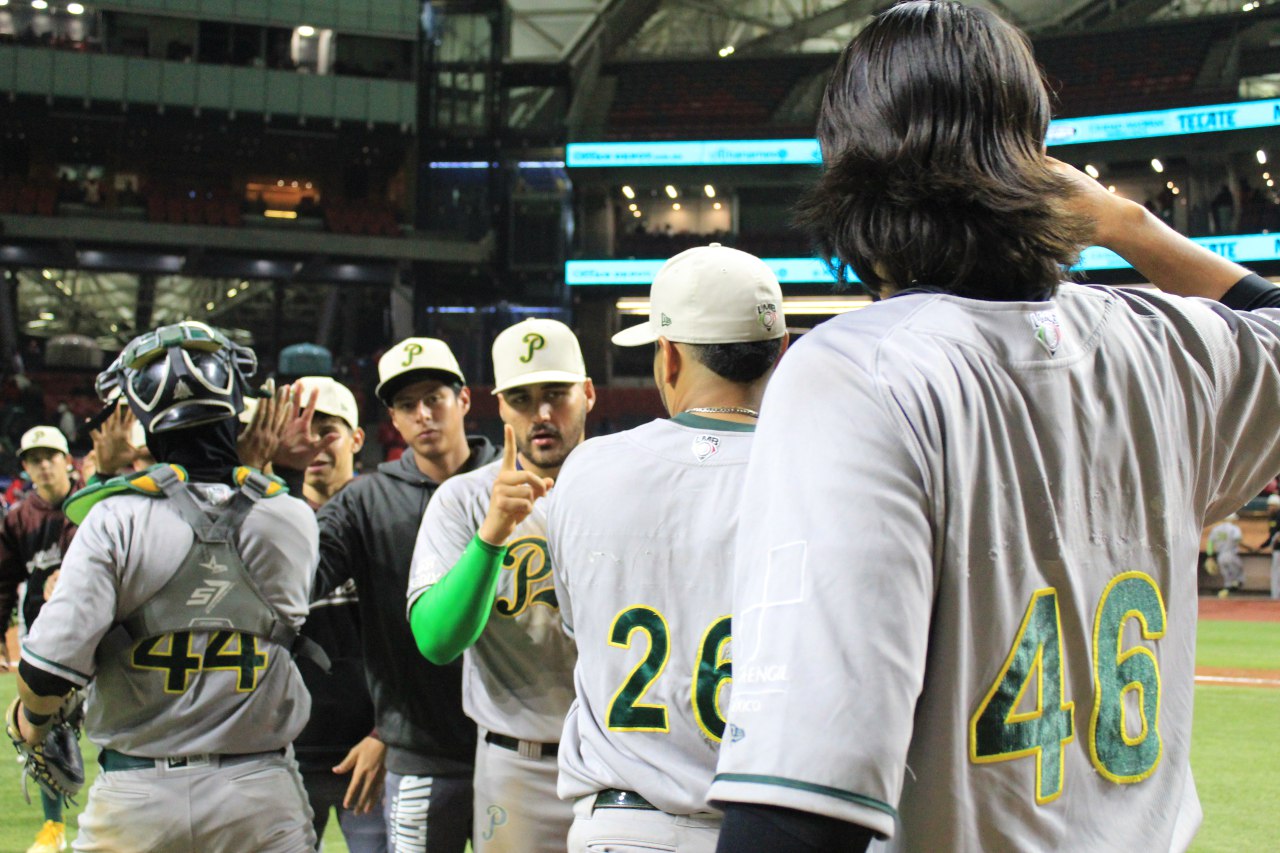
x=712, y=670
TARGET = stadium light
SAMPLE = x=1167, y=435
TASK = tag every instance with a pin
x=727, y=50
x=628, y=192
x=717, y=205
x=1156, y=164
x=633, y=207
x=280, y=214
x=1262, y=157
x=3, y=3
x=39, y=5
x=675, y=206
x=1091, y=170
x=231, y=294
x=1111, y=188
x=710, y=191
x=75, y=9
x=671, y=192
x=306, y=32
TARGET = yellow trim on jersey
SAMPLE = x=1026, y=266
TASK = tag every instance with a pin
x=1137, y=651
x=721, y=659
x=1036, y=671
x=637, y=704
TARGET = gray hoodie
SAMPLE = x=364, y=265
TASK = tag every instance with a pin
x=367, y=533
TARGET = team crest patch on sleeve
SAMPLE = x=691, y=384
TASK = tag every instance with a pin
x=1047, y=330
x=705, y=446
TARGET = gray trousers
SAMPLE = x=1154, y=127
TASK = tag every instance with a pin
x=256, y=804
x=516, y=807
x=640, y=830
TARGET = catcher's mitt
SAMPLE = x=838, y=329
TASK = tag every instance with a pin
x=55, y=764
x=1211, y=566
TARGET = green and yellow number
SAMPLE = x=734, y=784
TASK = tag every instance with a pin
x=1116, y=750
x=1123, y=750
x=999, y=731
x=226, y=650
x=712, y=672
x=170, y=654
x=626, y=712
x=239, y=653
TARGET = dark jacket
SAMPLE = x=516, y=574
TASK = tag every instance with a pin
x=367, y=533
x=33, y=537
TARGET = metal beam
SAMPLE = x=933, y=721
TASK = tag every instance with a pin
x=782, y=40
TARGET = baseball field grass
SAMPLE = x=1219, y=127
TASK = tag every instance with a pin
x=1235, y=750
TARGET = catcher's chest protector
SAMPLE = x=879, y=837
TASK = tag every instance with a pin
x=212, y=589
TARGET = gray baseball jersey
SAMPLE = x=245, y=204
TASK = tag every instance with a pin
x=641, y=530
x=965, y=596
x=1225, y=539
x=165, y=696
x=518, y=677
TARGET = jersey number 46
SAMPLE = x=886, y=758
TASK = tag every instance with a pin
x=1122, y=750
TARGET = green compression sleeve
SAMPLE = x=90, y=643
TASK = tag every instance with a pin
x=449, y=617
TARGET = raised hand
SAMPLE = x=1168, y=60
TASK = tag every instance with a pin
x=299, y=446
x=111, y=448
x=257, y=444
x=514, y=493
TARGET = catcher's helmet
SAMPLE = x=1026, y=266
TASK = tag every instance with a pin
x=180, y=376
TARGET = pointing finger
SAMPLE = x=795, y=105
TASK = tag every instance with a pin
x=508, y=448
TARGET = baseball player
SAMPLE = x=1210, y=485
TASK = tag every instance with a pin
x=965, y=594
x=178, y=606
x=1224, y=547
x=1273, y=542
x=34, y=536
x=337, y=740
x=641, y=530
x=367, y=533
x=481, y=582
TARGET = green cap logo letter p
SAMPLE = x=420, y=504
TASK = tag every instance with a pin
x=535, y=342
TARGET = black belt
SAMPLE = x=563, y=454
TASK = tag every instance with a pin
x=527, y=748
x=112, y=760
x=613, y=798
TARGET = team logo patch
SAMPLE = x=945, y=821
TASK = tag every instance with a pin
x=736, y=733
x=181, y=391
x=1047, y=330
x=497, y=817
x=705, y=446
x=534, y=342
x=213, y=565
x=767, y=315
x=666, y=321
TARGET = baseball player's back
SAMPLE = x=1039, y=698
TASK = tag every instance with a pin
x=641, y=527
x=180, y=696
x=1004, y=659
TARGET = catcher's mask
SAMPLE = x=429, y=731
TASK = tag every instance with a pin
x=180, y=376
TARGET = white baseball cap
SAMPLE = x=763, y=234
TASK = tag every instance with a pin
x=412, y=360
x=534, y=351
x=43, y=436
x=711, y=295
x=334, y=398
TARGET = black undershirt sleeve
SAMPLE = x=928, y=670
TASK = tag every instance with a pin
x=43, y=683
x=750, y=827
x=1252, y=291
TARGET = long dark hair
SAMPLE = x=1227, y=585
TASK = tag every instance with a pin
x=932, y=131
